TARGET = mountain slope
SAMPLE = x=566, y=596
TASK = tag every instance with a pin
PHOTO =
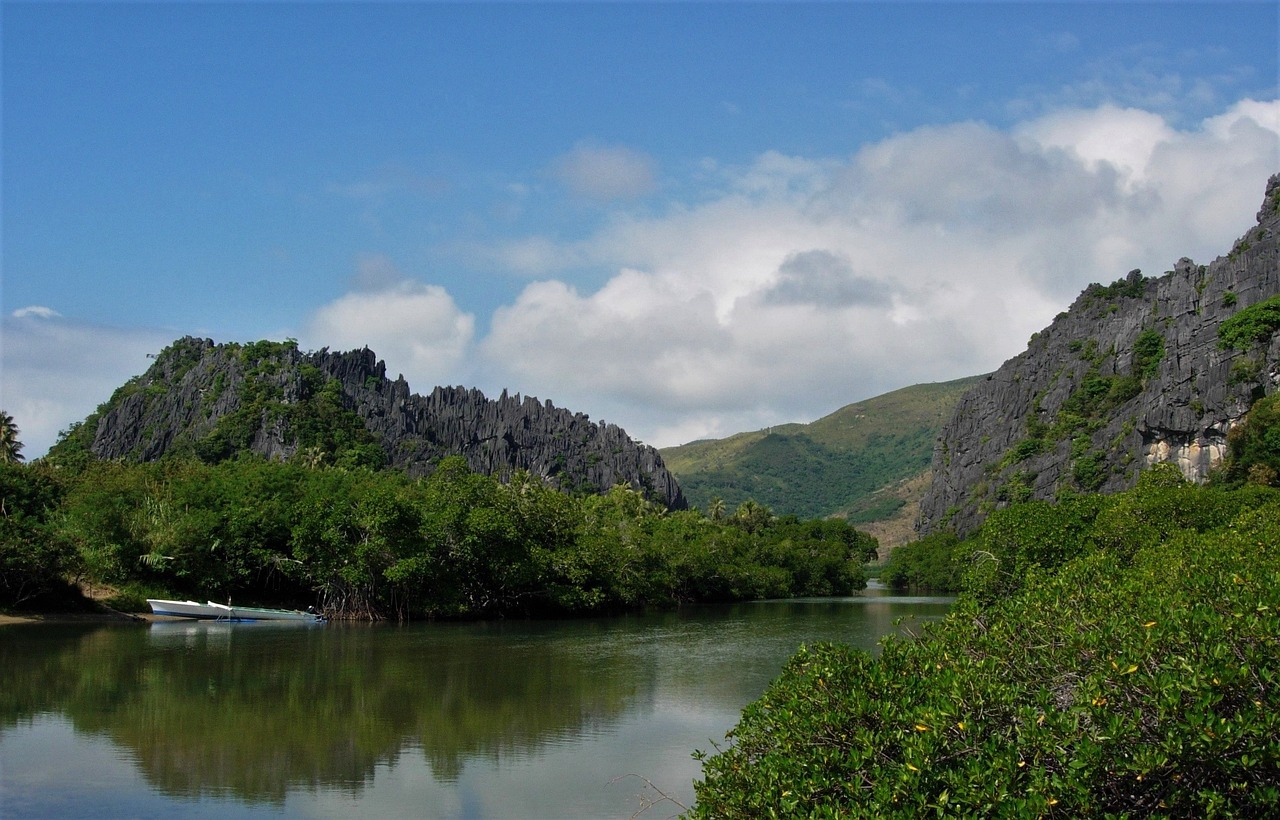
x=845, y=463
x=1134, y=374
x=216, y=401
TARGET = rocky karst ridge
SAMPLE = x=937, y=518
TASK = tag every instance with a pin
x=195, y=387
x=1131, y=375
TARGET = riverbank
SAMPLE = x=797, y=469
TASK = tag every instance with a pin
x=11, y=619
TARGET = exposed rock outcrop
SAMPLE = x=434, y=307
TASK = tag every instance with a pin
x=269, y=398
x=1132, y=375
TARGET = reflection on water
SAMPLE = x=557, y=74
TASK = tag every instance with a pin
x=490, y=719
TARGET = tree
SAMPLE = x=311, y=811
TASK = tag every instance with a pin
x=752, y=516
x=1254, y=446
x=34, y=554
x=10, y=447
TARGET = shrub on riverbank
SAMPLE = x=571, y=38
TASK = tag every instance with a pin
x=1143, y=678
x=35, y=556
x=369, y=544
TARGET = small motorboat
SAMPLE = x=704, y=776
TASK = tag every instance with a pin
x=211, y=611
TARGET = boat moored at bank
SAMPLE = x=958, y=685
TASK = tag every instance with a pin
x=211, y=611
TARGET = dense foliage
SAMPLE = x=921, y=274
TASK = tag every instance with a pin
x=1254, y=447
x=35, y=556
x=928, y=563
x=1109, y=656
x=1251, y=326
x=378, y=544
x=809, y=479
x=1039, y=535
x=1117, y=657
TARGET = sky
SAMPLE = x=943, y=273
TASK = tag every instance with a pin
x=688, y=219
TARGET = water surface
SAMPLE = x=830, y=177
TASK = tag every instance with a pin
x=502, y=719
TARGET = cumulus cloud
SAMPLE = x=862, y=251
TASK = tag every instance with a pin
x=810, y=283
x=1120, y=138
x=825, y=280
x=417, y=329
x=55, y=371
x=605, y=172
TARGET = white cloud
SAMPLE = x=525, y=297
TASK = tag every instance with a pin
x=932, y=255
x=1265, y=115
x=1123, y=138
x=55, y=371
x=417, y=329
x=36, y=311
x=605, y=172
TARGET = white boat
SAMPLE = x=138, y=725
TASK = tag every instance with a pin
x=211, y=611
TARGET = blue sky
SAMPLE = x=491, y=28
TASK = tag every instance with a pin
x=688, y=219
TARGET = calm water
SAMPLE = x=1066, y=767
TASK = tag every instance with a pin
x=509, y=719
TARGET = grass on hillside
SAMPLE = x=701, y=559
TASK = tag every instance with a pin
x=841, y=464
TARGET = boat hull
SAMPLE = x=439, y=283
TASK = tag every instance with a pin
x=211, y=611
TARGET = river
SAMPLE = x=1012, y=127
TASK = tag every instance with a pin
x=529, y=719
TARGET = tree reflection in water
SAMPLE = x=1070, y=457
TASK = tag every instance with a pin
x=253, y=710
x=297, y=718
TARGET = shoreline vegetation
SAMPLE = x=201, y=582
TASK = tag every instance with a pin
x=1108, y=656
x=360, y=544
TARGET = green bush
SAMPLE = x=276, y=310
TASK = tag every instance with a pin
x=1033, y=534
x=1253, y=325
x=1143, y=687
x=34, y=554
x=928, y=564
x=1254, y=446
x=373, y=544
x=1148, y=351
x=132, y=597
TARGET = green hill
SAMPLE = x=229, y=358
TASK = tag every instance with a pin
x=847, y=463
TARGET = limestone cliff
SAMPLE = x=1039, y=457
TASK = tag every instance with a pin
x=1132, y=375
x=214, y=400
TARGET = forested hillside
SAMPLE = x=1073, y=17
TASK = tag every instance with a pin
x=846, y=464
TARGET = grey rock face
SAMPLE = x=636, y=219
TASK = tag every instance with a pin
x=195, y=386
x=1085, y=407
